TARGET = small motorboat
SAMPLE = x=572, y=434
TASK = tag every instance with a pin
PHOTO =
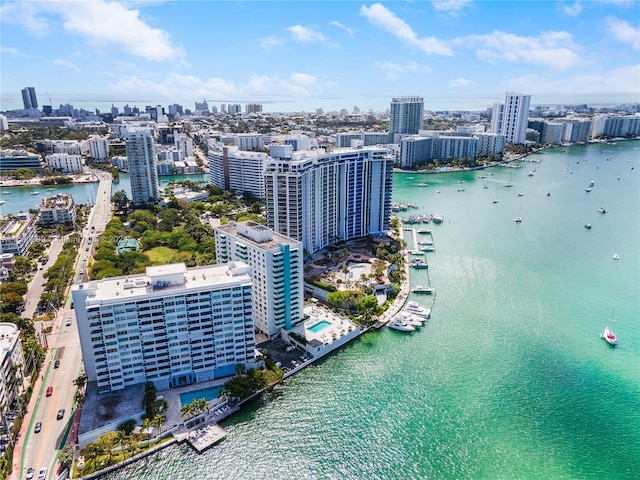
x=588, y=189
x=424, y=231
x=602, y=210
x=418, y=263
x=518, y=219
x=609, y=336
x=548, y=194
x=35, y=193
x=616, y=257
x=588, y=226
x=419, y=289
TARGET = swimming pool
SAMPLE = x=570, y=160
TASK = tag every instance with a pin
x=209, y=394
x=316, y=327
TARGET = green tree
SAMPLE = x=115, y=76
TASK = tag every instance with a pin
x=66, y=457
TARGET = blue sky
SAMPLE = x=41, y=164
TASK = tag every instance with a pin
x=294, y=56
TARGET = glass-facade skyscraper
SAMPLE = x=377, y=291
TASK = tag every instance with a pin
x=405, y=116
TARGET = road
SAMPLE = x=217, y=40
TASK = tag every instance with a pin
x=41, y=449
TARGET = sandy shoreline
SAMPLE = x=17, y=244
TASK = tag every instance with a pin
x=36, y=182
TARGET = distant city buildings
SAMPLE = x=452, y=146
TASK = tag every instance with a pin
x=276, y=271
x=510, y=118
x=405, y=117
x=57, y=209
x=321, y=198
x=29, y=98
x=173, y=326
x=252, y=108
x=143, y=172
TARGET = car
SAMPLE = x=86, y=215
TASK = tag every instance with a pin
x=38, y=427
x=86, y=249
x=290, y=348
x=30, y=472
x=49, y=391
x=60, y=414
x=81, y=271
x=42, y=473
x=68, y=322
x=56, y=364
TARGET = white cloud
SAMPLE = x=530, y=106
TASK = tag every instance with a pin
x=379, y=15
x=395, y=70
x=624, y=32
x=68, y=65
x=268, y=43
x=9, y=50
x=343, y=27
x=452, y=7
x=99, y=21
x=460, y=82
x=305, y=34
x=623, y=80
x=572, y=10
x=303, y=79
x=554, y=49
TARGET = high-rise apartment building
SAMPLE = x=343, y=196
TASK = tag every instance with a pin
x=173, y=326
x=276, y=271
x=99, y=147
x=405, y=117
x=29, y=98
x=510, y=119
x=321, y=198
x=143, y=170
x=234, y=169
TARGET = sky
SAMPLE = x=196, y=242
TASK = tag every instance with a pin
x=304, y=55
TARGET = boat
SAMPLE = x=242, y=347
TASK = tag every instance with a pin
x=422, y=185
x=410, y=319
x=401, y=326
x=424, y=231
x=419, y=289
x=548, y=194
x=609, y=336
x=588, y=226
x=2, y=202
x=417, y=309
x=510, y=184
x=530, y=174
x=437, y=218
x=591, y=183
x=588, y=189
x=518, y=219
x=616, y=257
x=461, y=189
x=415, y=252
x=5, y=192
x=428, y=248
x=482, y=176
x=51, y=189
x=35, y=193
x=485, y=186
x=418, y=263
x=425, y=242
x=602, y=210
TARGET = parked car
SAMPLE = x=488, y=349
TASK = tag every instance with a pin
x=56, y=364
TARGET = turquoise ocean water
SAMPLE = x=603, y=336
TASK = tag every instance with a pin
x=509, y=379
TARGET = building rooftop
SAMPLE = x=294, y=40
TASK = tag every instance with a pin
x=257, y=235
x=174, y=276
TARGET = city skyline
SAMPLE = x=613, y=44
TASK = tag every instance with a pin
x=293, y=56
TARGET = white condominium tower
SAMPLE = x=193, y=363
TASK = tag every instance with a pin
x=510, y=119
x=143, y=171
x=321, y=198
x=276, y=271
x=233, y=169
x=405, y=116
x=173, y=326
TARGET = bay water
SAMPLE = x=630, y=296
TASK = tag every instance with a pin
x=509, y=379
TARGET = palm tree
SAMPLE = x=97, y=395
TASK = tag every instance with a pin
x=186, y=411
x=120, y=440
x=158, y=420
x=94, y=451
x=147, y=423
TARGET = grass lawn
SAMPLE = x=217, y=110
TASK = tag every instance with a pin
x=161, y=255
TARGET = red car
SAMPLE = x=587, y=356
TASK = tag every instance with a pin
x=49, y=391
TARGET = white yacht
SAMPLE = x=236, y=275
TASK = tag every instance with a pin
x=416, y=309
x=401, y=326
x=609, y=336
x=422, y=290
x=409, y=319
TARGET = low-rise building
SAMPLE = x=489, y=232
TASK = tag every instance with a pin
x=57, y=209
x=15, y=159
x=17, y=234
x=172, y=326
x=11, y=364
x=64, y=162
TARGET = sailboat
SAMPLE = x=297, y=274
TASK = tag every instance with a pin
x=521, y=192
x=510, y=184
x=495, y=200
x=518, y=219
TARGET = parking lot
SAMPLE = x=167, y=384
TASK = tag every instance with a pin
x=277, y=350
